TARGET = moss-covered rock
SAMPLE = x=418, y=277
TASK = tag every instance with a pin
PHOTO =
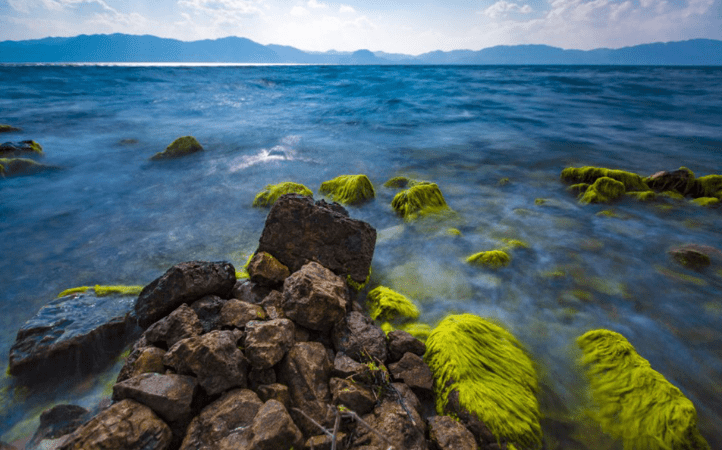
x=271, y=193
x=579, y=188
x=386, y=304
x=348, y=189
x=642, y=196
x=491, y=258
x=4, y=128
x=419, y=200
x=481, y=368
x=709, y=186
x=103, y=291
x=603, y=190
x=681, y=181
x=588, y=174
x=180, y=147
x=20, y=166
x=401, y=182
x=636, y=403
x=25, y=148
x=706, y=201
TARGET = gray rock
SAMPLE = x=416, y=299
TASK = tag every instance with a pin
x=267, y=342
x=169, y=396
x=314, y=297
x=357, y=335
x=180, y=324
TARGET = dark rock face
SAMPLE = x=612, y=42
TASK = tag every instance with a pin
x=237, y=313
x=267, y=342
x=213, y=358
x=681, y=181
x=169, y=396
x=249, y=291
x=692, y=256
x=298, y=231
x=142, y=360
x=356, y=397
x=58, y=421
x=414, y=372
x=208, y=309
x=266, y=270
x=275, y=391
x=65, y=335
x=401, y=342
x=344, y=366
x=402, y=429
x=180, y=324
x=357, y=335
x=183, y=283
x=448, y=434
x=27, y=148
x=126, y=425
x=314, y=297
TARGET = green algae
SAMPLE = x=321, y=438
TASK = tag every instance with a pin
x=636, y=403
x=401, y=182
x=358, y=286
x=706, y=201
x=683, y=277
x=607, y=213
x=104, y=291
x=673, y=195
x=579, y=188
x=4, y=128
x=243, y=273
x=588, y=174
x=182, y=146
x=710, y=186
x=604, y=190
x=16, y=166
x=492, y=258
x=419, y=200
x=386, y=327
x=539, y=201
x=514, y=243
x=492, y=374
x=349, y=189
x=503, y=182
x=642, y=196
x=420, y=331
x=452, y=232
x=386, y=304
x=271, y=193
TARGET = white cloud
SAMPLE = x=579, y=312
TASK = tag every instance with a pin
x=299, y=11
x=345, y=9
x=501, y=8
x=316, y=5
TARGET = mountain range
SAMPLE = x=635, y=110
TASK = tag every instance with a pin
x=132, y=48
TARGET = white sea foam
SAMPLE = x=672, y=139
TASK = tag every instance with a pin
x=284, y=151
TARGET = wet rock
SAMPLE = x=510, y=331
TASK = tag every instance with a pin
x=142, y=360
x=272, y=429
x=4, y=128
x=403, y=430
x=275, y=391
x=693, y=256
x=22, y=148
x=267, y=342
x=237, y=313
x=401, y=342
x=681, y=181
x=233, y=410
x=273, y=305
x=448, y=434
x=306, y=371
x=314, y=297
x=10, y=167
x=180, y=147
x=180, y=324
x=208, y=309
x=357, y=335
x=413, y=371
x=250, y=292
x=327, y=234
x=183, y=283
x=356, y=397
x=77, y=333
x=58, y=421
x=126, y=425
x=345, y=367
x=266, y=270
x=213, y=358
x=169, y=396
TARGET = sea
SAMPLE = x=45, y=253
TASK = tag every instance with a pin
x=493, y=138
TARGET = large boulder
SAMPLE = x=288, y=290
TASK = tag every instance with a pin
x=126, y=425
x=21, y=166
x=267, y=342
x=77, y=333
x=298, y=231
x=170, y=396
x=314, y=297
x=183, y=283
x=358, y=336
x=208, y=309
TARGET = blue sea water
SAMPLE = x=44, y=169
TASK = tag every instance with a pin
x=111, y=216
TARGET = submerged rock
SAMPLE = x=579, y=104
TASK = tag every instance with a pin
x=693, y=256
x=419, y=200
x=4, y=128
x=29, y=148
x=681, y=181
x=58, y=421
x=348, y=189
x=180, y=147
x=10, y=167
x=272, y=192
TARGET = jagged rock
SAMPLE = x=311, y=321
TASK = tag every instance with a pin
x=356, y=397
x=314, y=297
x=272, y=429
x=306, y=370
x=329, y=237
x=31, y=148
x=323, y=442
x=58, y=421
x=237, y=313
x=358, y=335
x=208, y=309
x=126, y=425
x=250, y=292
x=180, y=147
x=266, y=270
x=391, y=420
x=275, y=391
x=413, y=371
x=142, y=360
x=213, y=358
x=183, y=283
x=77, y=333
x=267, y=342
x=401, y=342
x=170, y=396
x=448, y=434
x=180, y=324
x=273, y=305
x=344, y=366
x=258, y=377
x=234, y=409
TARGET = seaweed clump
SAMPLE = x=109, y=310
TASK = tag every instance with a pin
x=636, y=403
x=492, y=258
x=180, y=147
x=103, y=291
x=419, y=200
x=349, y=189
x=603, y=190
x=271, y=193
x=588, y=174
x=386, y=304
x=481, y=368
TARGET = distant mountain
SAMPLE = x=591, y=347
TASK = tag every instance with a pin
x=132, y=48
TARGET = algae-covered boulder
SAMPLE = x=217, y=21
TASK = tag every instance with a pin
x=709, y=186
x=481, y=371
x=642, y=196
x=180, y=147
x=271, y=193
x=386, y=304
x=348, y=189
x=401, y=182
x=491, y=258
x=419, y=200
x=636, y=403
x=5, y=128
x=681, y=180
x=20, y=166
x=603, y=190
x=631, y=181
x=28, y=148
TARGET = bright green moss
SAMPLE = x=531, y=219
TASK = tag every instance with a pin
x=631, y=181
x=494, y=377
x=269, y=194
x=103, y=291
x=710, y=186
x=515, y=243
x=358, y=286
x=180, y=147
x=75, y=290
x=603, y=190
x=636, y=403
x=387, y=328
x=578, y=188
x=401, y=182
x=539, y=201
x=386, y=304
x=348, y=189
x=503, y=182
x=453, y=232
x=243, y=273
x=642, y=196
x=706, y=201
x=673, y=195
x=418, y=200
x=491, y=258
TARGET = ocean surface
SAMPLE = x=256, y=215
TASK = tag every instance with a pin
x=111, y=216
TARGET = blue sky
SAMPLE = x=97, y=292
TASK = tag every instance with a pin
x=407, y=26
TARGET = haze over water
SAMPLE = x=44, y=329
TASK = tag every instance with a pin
x=113, y=217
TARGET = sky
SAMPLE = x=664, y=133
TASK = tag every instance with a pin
x=406, y=26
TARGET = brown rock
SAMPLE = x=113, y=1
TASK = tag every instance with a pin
x=183, y=283
x=58, y=421
x=208, y=310
x=267, y=342
x=237, y=313
x=234, y=409
x=273, y=305
x=681, y=180
x=404, y=394
x=344, y=366
x=275, y=391
x=266, y=270
x=213, y=358
x=401, y=342
x=357, y=397
x=692, y=256
x=180, y=324
x=357, y=335
x=274, y=429
x=169, y=396
x=328, y=236
x=323, y=442
x=389, y=419
x=259, y=377
x=448, y=434
x=249, y=291
x=413, y=371
x=126, y=425
x=314, y=297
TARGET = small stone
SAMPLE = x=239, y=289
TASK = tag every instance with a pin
x=237, y=313
x=147, y=360
x=391, y=420
x=413, y=371
x=180, y=147
x=401, y=342
x=250, y=292
x=323, y=442
x=266, y=270
x=273, y=305
x=345, y=367
x=690, y=257
x=208, y=310
x=356, y=397
x=275, y=391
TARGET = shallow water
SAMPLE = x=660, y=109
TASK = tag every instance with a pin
x=113, y=217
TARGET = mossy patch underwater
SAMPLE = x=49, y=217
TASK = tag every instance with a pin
x=103, y=291
x=386, y=304
x=182, y=146
x=348, y=189
x=419, y=200
x=588, y=174
x=491, y=258
x=271, y=193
